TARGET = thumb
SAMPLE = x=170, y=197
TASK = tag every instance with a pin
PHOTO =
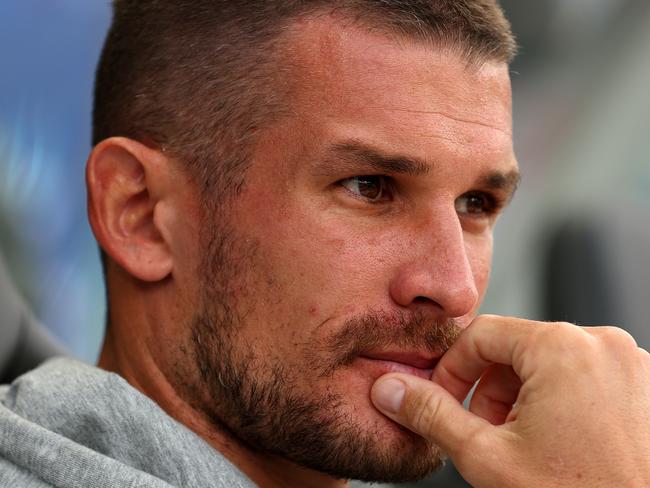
x=429, y=410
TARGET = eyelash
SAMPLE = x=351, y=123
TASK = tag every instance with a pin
x=493, y=203
x=386, y=187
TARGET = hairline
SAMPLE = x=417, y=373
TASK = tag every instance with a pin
x=276, y=57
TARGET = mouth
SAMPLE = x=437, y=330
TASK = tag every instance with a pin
x=410, y=362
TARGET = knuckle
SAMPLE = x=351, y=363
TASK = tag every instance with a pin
x=574, y=335
x=571, y=330
x=617, y=337
x=566, y=343
x=561, y=334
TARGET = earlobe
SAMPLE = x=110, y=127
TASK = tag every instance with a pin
x=123, y=200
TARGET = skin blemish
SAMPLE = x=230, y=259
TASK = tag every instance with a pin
x=337, y=244
x=313, y=310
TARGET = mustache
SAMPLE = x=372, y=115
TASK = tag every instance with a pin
x=378, y=330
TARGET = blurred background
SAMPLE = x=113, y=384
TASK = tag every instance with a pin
x=574, y=245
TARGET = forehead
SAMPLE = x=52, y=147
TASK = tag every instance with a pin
x=328, y=51
x=402, y=92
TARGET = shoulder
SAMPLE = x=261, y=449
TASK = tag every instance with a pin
x=14, y=475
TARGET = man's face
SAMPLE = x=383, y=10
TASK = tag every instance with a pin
x=360, y=244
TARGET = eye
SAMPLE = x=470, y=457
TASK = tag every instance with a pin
x=374, y=188
x=476, y=204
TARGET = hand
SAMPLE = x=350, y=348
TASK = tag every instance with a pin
x=556, y=405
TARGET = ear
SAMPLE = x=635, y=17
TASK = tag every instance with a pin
x=127, y=193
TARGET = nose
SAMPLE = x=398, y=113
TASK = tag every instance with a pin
x=437, y=271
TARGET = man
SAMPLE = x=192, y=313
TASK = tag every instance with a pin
x=296, y=202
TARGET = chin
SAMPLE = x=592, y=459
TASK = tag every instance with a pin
x=372, y=447
x=391, y=453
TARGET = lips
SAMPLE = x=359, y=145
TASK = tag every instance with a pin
x=410, y=362
x=413, y=359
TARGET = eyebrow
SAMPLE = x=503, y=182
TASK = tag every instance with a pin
x=355, y=153
x=504, y=181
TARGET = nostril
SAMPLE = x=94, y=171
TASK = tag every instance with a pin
x=423, y=300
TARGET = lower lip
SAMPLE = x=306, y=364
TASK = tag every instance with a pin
x=379, y=367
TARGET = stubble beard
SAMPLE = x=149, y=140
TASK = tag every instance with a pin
x=263, y=403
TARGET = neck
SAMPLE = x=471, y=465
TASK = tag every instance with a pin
x=134, y=361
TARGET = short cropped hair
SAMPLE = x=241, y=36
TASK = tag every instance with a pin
x=198, y=77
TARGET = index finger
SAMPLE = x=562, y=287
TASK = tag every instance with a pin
x=489, y=339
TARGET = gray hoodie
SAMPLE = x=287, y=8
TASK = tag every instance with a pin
x=68, y=424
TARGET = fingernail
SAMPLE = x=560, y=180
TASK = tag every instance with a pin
x=388, y=394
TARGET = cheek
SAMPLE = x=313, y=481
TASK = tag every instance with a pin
x=479, y=253
x=319, y=270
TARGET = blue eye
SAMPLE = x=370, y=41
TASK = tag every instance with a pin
x=475, y=204
x=373, y=188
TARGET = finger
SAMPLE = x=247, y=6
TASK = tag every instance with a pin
x=489, y=339
x=430, y=411
x=495, y=394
